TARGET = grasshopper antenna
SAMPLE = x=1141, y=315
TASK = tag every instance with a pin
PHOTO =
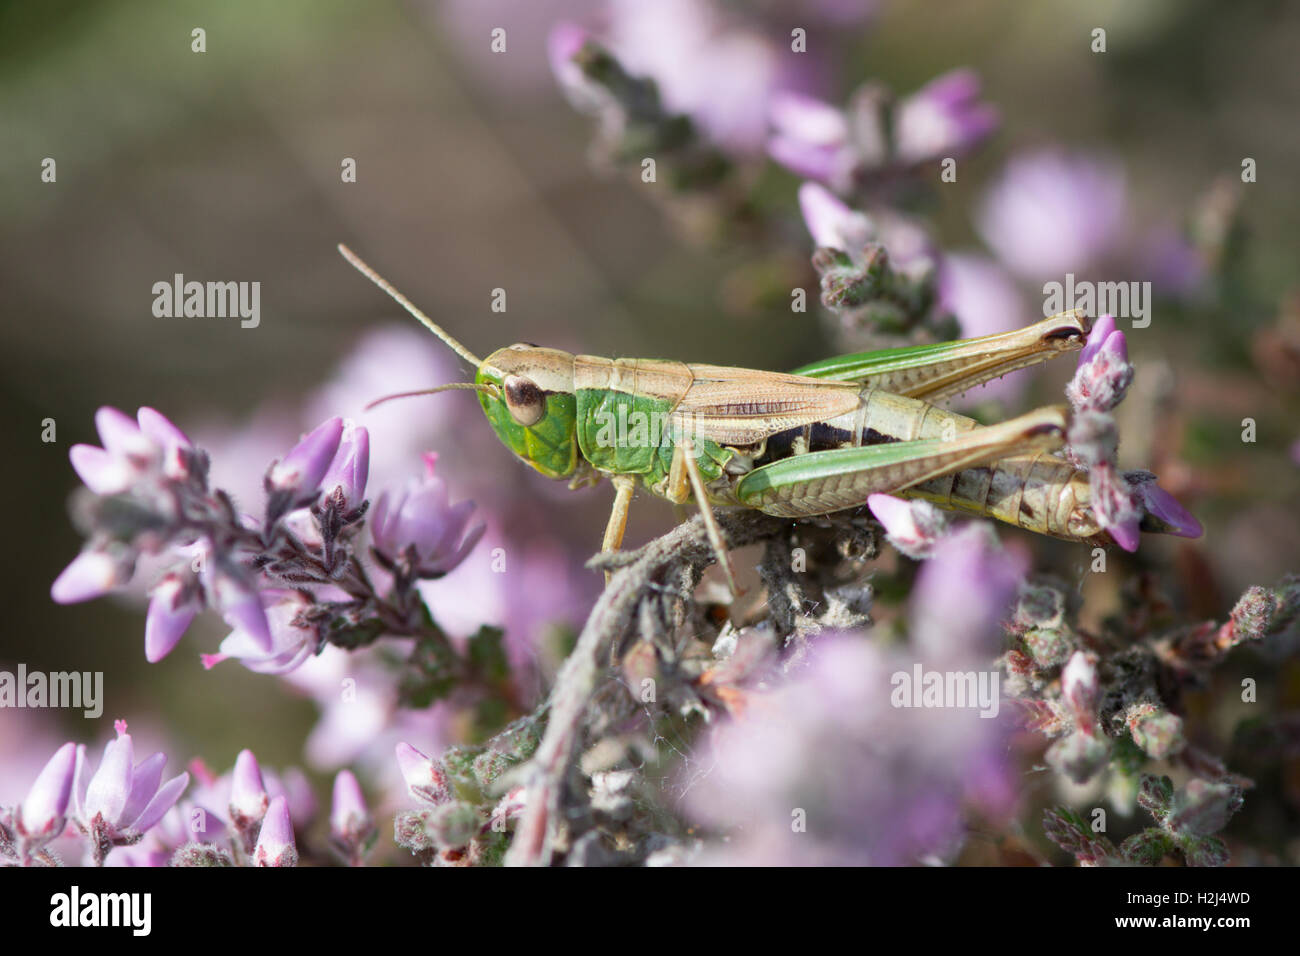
x=472, y=386
x=406, y=304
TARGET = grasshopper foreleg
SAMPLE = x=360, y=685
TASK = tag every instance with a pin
x=623, y=488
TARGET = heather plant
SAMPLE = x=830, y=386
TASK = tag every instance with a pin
x=893, y=685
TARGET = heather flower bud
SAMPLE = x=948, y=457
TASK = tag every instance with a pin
x=1148, y=847
x=42, y=815
x=275, y=845
x=1158, y=732
x=301, y=471
x=352, y=829
x=1203, y=807
x=1103, y=377
x=1079, y=756
x=248, y=796
x=425, y=778
x=348, y=471
x=201, y=854
x=913, y=527
x=1079, y=686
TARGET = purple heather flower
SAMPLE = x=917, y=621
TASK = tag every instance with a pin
x=121, y=799
x=239, y=603
x=962, y=593
x=42, y=815
x=351, y=465
x=913, y=527
x=1160, y=505
x=1050, y=213
x=248, y=796
x=131, y=449
x=93, y=573
x=173, y=604
x=288, y=644
x=420, y=524
x=943, y=118
x=275, y=846
x=300, y=472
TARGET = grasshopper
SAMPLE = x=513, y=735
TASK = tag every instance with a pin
x=811, y=442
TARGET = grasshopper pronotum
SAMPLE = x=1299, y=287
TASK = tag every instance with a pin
x=794, y=445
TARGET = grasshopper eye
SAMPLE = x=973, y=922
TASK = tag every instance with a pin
x=524, y=400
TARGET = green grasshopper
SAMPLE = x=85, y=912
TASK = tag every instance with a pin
x=812, y=442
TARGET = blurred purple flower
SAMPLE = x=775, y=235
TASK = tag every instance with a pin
x=131, y=449
x=962, y=593
x=93, y=573
x=1050, y=213
x=706, y=64
x=173, y=604
x=275, y=844
x=825, y=771
x=811, y=138
x=986, y=301
x=942, y=119
x=121, y=800
x=840, y=148
x=421, y=528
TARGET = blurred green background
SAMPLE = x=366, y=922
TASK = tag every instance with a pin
x=473, y=174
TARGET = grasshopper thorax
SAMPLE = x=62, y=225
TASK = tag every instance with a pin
x=529, y=401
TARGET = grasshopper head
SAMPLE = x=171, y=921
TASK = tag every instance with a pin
x=527, y=394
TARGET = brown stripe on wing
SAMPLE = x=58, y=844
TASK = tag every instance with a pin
x=741, y=407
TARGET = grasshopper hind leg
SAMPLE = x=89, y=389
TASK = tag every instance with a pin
x=821, y=482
